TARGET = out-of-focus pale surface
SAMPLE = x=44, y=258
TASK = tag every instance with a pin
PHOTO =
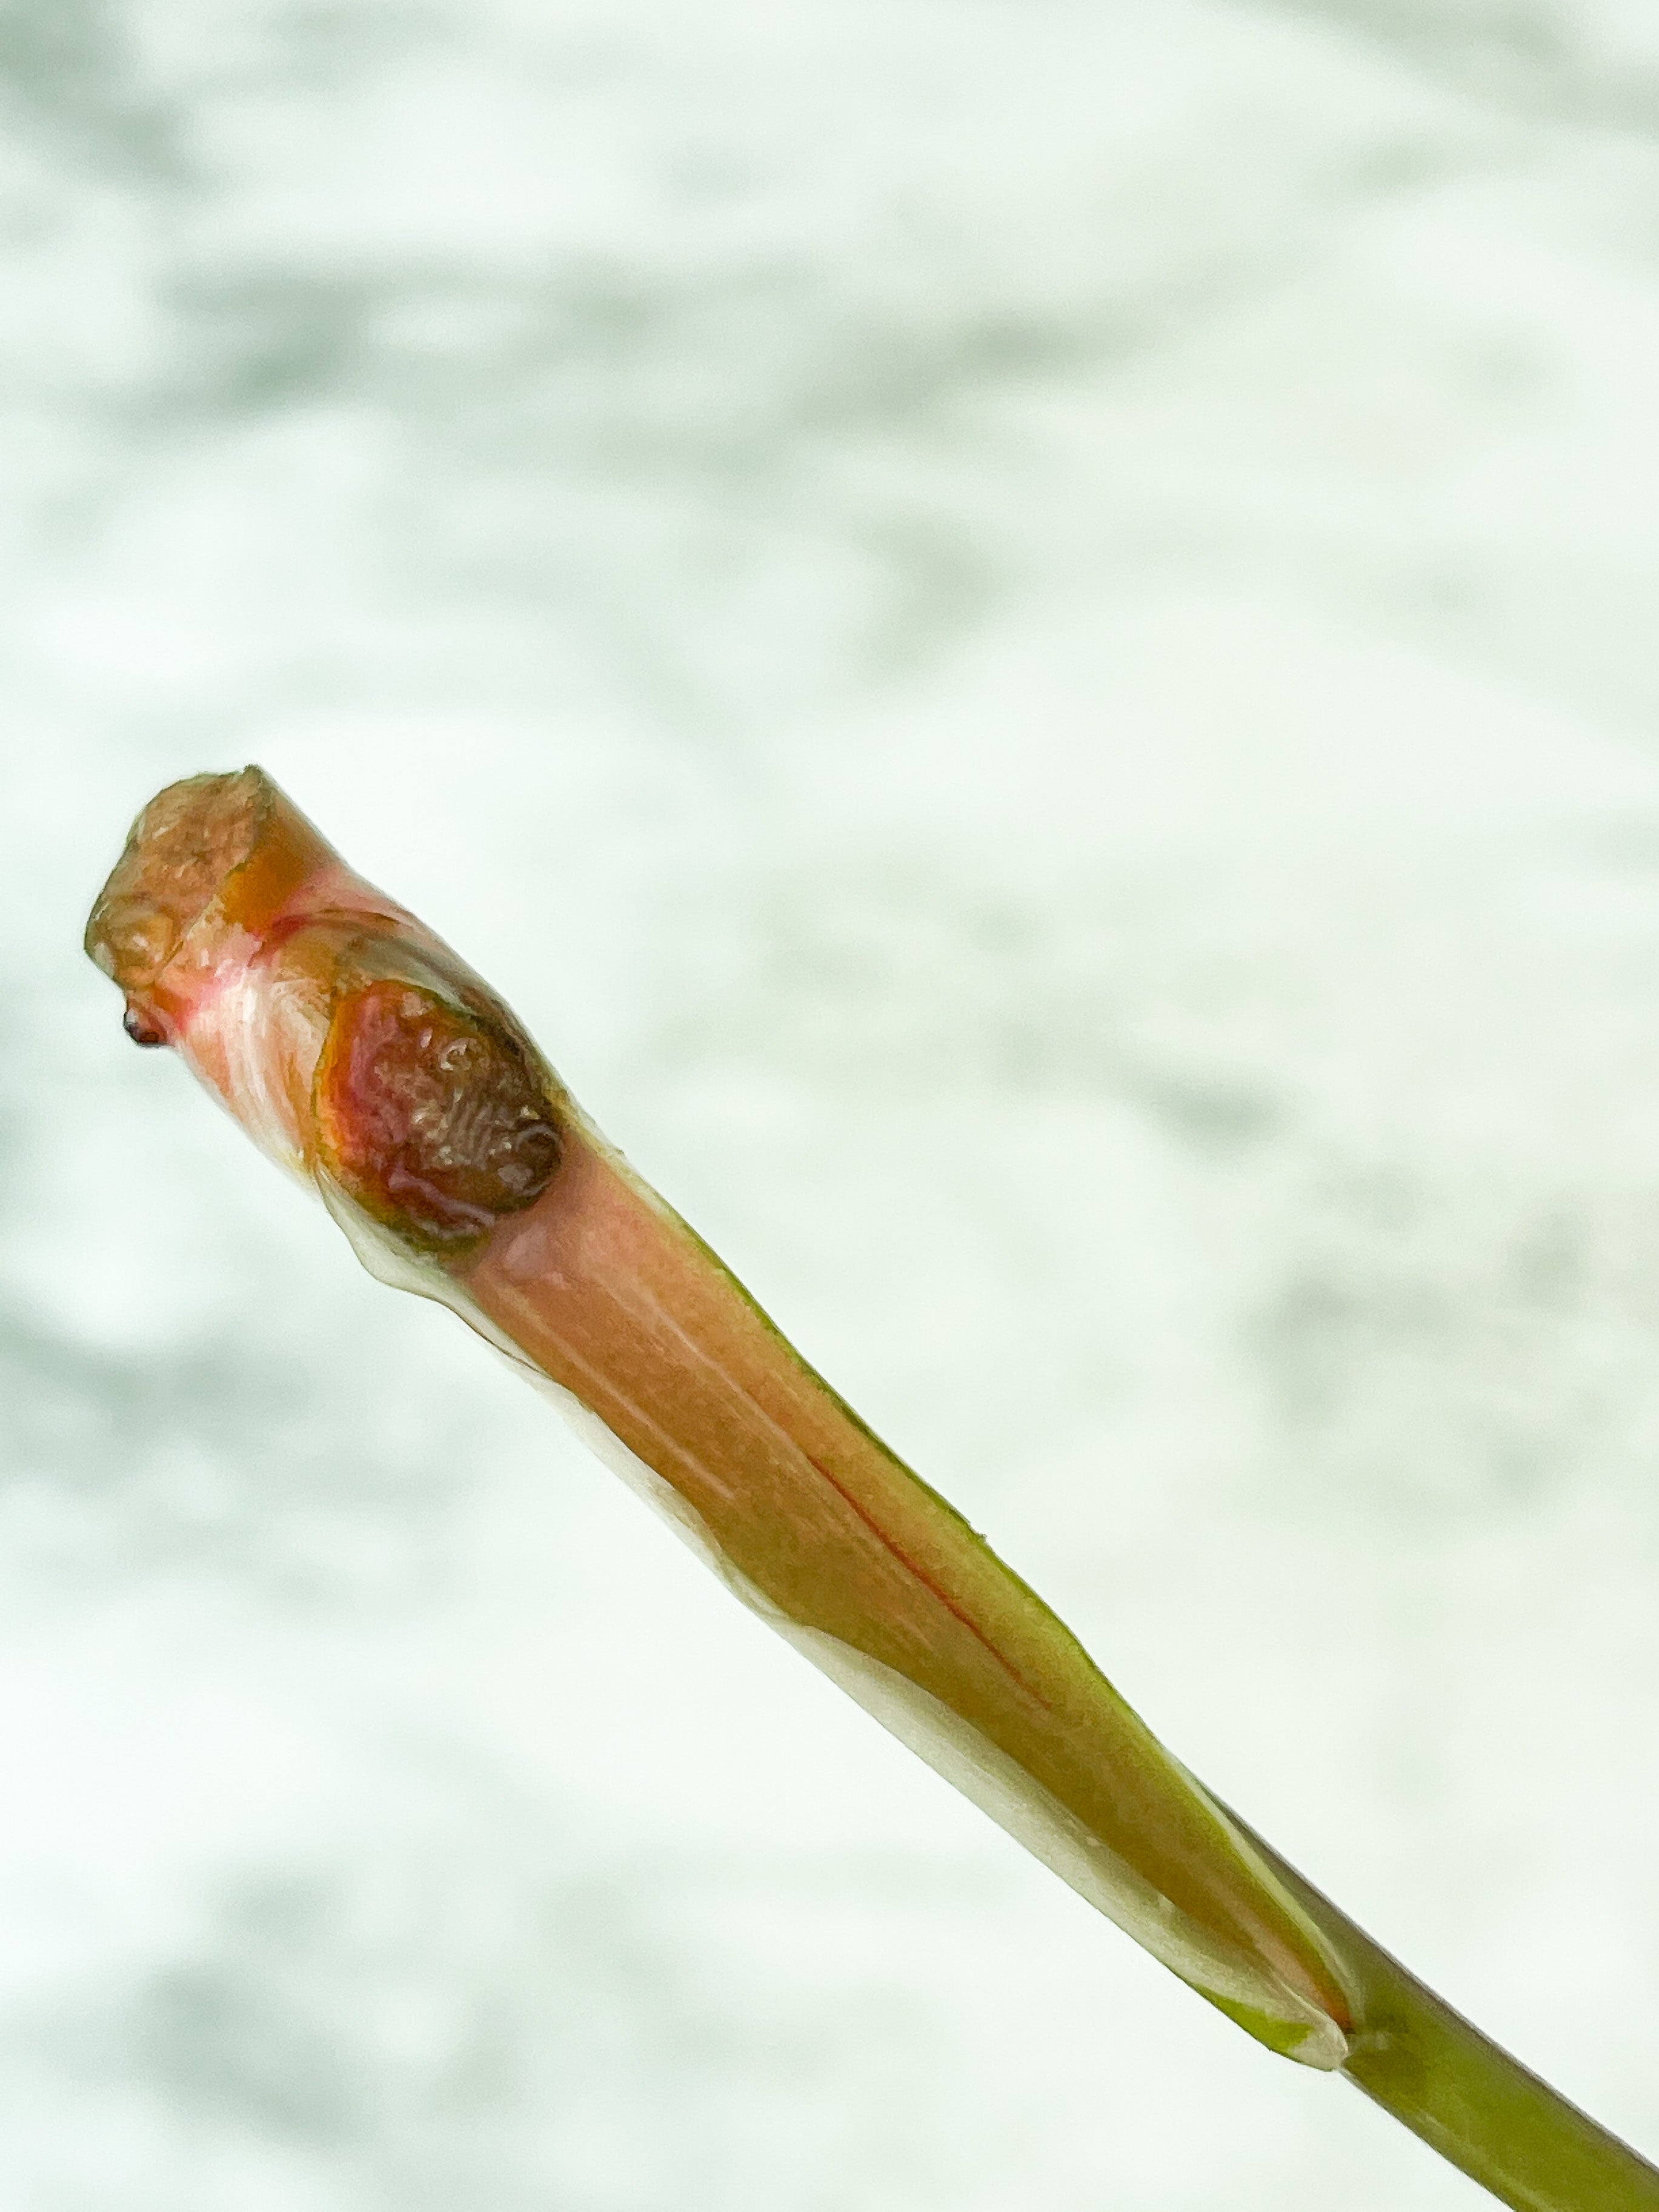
x=1026, y=635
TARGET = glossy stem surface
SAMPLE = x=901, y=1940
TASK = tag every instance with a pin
x=608, y=1295
x=1480, y=2108
x=606, y=1292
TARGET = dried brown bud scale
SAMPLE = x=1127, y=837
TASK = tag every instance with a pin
x=435, y=1119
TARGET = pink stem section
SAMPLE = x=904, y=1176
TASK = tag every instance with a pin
x=608, y=1293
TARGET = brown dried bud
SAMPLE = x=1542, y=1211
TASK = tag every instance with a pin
x=436, y=1121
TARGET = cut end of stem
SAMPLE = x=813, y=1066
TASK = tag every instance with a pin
x=179, y=852
x=208, y=866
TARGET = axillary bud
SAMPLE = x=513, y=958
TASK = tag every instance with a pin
x=433, y=1116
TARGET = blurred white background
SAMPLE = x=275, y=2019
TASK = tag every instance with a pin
x=1024, y=635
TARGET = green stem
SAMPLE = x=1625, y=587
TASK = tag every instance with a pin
x=1479, y=2107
